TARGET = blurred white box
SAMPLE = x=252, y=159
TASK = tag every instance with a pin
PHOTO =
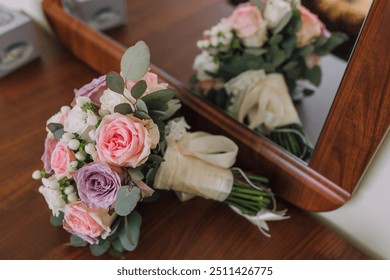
x=17, y=41
x=98, y=14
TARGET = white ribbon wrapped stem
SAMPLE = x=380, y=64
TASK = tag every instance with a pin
x=262, y=99
x=198, y=164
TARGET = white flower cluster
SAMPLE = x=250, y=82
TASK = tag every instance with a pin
x=219, y=36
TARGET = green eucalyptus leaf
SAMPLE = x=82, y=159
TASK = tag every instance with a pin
x=173, y=106
x=314, y=75
x=308, y=92
x=129, y=234
x=58, y=133
x=57, y=221
x=289, y=43
x=278, y=58
x=115, y=253
x=160, y=96
x=291, y=65
x=135, y=174
x=156, y=114
x=156, y=158
x=126, y=200
x=117, y=245
x=320, y=41
x=276, y=39
x=255, y=51
x=123, y=108
x=141, y=106
x=138, y=89
x=115, y=82
x=77, y=241
x=101, y=248
x=193, y=79
x=142, y=115
x=259, y=3
x=306, y=50
x=136, y=61
x=53, y=127
x=283, y=22
x=295, y=22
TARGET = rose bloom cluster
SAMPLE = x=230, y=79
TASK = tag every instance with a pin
x=251, y=27
x=83, y=169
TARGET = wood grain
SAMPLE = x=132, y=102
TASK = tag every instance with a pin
x=291, y=179
x=197, y=229
x=360, y=117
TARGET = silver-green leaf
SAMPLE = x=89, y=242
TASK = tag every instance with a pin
x=138, y=89
x=129, y=234
x=77, y=241
x=115, y=82
x=136, y=61
x=123, y=108
x=126, y=200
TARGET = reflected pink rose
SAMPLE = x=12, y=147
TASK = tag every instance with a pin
x=246, y=19
x=311, y=28
x=60, y=159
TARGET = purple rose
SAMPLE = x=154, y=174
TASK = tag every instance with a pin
x=97, y=184
x=50, y=144
x=93, y=90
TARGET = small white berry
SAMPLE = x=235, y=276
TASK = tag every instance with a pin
x=103, y=112
x=65, y=109
x=72, y=166
x=72, y=197
x=92, y=120
x=92, y=134
x=81, y=156
x=74, y=144
x=66, y=137
x=37, y=175
x=82, y=100
x=90, y=149
x=69, y=190
x=53, y=185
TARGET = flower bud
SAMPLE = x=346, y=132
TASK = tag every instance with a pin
x=69, y=190
x=82, y=100
x=72, y=166
x=66, y=137
x=74, y=144
x=103, y=112
x=81, y=156
x=92, y=134
x=37, y=175
x=72, y=197
x=90, y=149
x=92, y=120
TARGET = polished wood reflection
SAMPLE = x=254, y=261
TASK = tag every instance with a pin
x=198, y=229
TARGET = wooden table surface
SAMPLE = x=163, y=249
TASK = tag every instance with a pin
x=197, y=229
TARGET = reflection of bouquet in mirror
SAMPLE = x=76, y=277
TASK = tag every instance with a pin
x=200, y=164
x=278, y=37
x=103, y=153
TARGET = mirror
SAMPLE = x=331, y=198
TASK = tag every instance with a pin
x=189, y=19
x=353, y=129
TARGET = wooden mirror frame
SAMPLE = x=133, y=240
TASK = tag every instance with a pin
x=357, y=122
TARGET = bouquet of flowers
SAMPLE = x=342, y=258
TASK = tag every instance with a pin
x=103, y=153
x=272, y=40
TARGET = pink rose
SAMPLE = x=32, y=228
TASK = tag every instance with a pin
x=246, y=19
x=87, y=223
x=60, y=159
x=93, y=90
x=311, y=28
x=122, y=141
x=150, y=78
x=50, y=144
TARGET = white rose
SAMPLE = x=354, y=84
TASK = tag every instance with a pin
x=110, y=99
x=275, y=10
x=202, y=63
x=52, y=195
x=256, y=40
x=76, y=122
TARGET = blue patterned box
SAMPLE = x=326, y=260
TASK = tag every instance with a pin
x=17, y=42
x=98, y=14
